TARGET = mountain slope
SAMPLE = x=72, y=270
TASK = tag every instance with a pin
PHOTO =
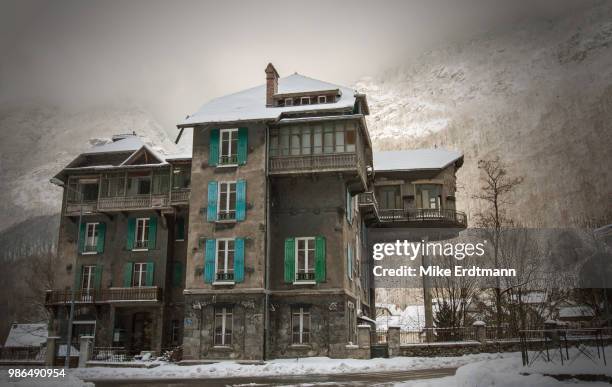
x=539, y=96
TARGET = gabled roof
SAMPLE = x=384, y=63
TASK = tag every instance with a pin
x=26, y=335
x=415, y=159
x=250, y=104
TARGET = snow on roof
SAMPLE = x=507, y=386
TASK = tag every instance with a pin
x=531, y=298
x=576, y=311
x=411, y=318
x=415, y=159
x=250, y=104
x=26, y=335
x=128, y=144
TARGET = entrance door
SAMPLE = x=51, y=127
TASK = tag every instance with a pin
x=142, y=332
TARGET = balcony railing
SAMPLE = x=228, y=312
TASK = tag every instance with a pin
x=141, y=245
x=121, y=203
x=227, y=215
x=308, y=276
x=59, y=297
x=308, y=163
x=179, y=196
x=224, y=276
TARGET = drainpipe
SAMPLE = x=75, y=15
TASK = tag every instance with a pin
x=267, y=248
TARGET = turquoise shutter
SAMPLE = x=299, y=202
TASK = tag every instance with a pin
x=320, y=259
x=239, y=259
x=77, y=277
x=98, y=277
x=213, y=149
x=177, y=275
x=211, y=212
x=152, y=232
x=127, y=275
x=150, y=273
x=82, y=237
x=101, y=237
x=289, y=260
x=349, y=262
x=131, y=233
x=209, y=261
x=243, y=136
x=180, y=229
x=240, y=200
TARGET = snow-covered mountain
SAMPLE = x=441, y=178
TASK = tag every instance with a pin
x=38, y=140
x=539, y=96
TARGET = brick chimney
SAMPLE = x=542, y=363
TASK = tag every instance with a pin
x=271, y=84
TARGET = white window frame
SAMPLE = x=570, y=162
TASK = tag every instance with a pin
x=142, y=275
x=302, y=99
x=226, y=206
x=86, y=244
x=224, y=319
x=146, y=224
x=288, y=101
x=322, y=99
x=88, y=273
x=232, y=132
x=225, y=258
x=303, y=314
x=306, y=259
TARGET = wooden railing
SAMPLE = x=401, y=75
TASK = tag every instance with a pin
x=150, y=293
x=307, y=163
x=179, y=196
x=134, y=202
x=74, y=208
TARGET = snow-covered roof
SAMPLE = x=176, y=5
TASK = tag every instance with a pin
x=26, y=335
x=250, y=104
x=576, y=311
x=415, y=159
x=127, y=144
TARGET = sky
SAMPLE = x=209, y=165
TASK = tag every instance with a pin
x=170, y=57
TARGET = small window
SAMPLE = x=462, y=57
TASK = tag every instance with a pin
x=227, y=201
x=139, y=183
x=229, y=146
x=322, y=99
x=305, y=101
x=352, y=323
x=180, y=229
x=300, y=325
x=142, y=233
x=87, y=278
x=223, y=326
x=91, y=238
x=139, y=275
x=175, y=332
x=288, y=101
x=304, y=259
x=224, y=264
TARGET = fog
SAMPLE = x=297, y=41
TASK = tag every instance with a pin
x=171, y=57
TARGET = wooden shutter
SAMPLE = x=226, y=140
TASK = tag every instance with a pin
x=239, y=259
x=177, y=274
x=98, y=277
x=131, y=233
x=77, y=277
x=213, y=148
x=150, y=273
x=240, y=200
x=82, y=234
x=320, y=259
x=127, y=274
x=289, y=260
x=211, y=211
x=243, y=136
x=209, y=261
x=152, y=232
x=101, y=237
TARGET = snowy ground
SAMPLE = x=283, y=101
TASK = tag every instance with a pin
x=303, y=366
x=66, y=381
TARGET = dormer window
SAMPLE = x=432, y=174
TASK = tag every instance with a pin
x=305, y=101
x=322, y=99
x=288, y=101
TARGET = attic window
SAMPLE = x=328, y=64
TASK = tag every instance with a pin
x=322, y=99
x=305, y=101
x=288, y=101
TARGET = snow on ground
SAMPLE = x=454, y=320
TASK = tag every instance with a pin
x=302, y=366
x=509, y=372
x=66, y=381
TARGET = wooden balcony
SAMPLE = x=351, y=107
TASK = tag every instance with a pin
x=179, y=196
x=124, y=203
x=111, y=295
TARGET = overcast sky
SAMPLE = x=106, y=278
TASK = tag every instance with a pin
x=172, y=56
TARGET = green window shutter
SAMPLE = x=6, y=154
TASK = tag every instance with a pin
x=150, y=273
x=131, y=233
x=180, y=229
x=243, y=136
x=211, y=211
x=239, y=259
x=77, y=277
x=127, y=275
x=240, y=200
x=101, y=237
x=213, y=149
x=177, y=275
x=289, y=260
x=320, y=259
x=82, y=237
x=98, y=277
x=209, y=261
x=349, y=262
x=152, y=232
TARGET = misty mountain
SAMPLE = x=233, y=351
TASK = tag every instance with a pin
x=539, y=96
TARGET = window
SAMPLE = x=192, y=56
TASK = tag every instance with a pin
x=304, y=259
x=175, y=332
x=142, y=233
x=139, y=275
x=300, y=325
x=389, y=197
x=89, y=190
x=161, y=182
x=351, y=323
x=223, y=326
x=224, y=264
x=91, y=238
x=227, y=201
x=87, y=277
x=179, y=226
x=113, y=185
x=288, y=101
x=428, y=196
x=322, y=99
x=229, y=147
x=305, y=101
x=181, y=177
x=307, y=139
x=139, y=183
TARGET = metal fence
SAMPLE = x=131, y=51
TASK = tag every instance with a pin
x=30, y=353
x=110, y=354
x=438, y=335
